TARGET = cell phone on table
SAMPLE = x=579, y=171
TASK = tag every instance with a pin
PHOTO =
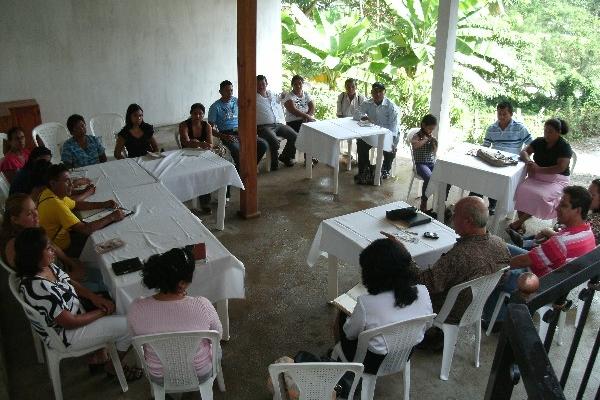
x=127, y=266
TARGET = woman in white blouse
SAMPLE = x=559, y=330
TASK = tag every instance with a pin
x=349, y=101
x=394, y=296
x=299, y=106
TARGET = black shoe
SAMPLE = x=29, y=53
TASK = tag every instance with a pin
x=274, y=167
x=288, y=162
x=492, y=211
x=515, y=237
x=385, y=174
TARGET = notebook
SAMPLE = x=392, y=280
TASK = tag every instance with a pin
x=347, y=301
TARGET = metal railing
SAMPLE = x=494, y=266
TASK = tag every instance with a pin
x=520, y=353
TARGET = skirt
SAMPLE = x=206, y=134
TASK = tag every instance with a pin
x=539, y=195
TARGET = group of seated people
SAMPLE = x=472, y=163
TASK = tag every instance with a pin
x=42, y=238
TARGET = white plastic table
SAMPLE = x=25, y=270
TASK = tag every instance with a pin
x=321, y=140
x=467, y=172
x=189, y=173
x=344, y=237
x=161, y=222
x=116, y=174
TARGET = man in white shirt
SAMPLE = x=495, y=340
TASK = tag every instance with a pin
x=349, y=101
x=380, y=111
x=268, y=116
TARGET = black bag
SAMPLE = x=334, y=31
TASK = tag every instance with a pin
x=366, y=177
x=342, y=389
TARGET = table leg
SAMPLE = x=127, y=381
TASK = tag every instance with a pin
x=349, y=166
x=336, y=176
x=495, y=223
x=332, y=277
x=441, y=202
x=308, y=165
x=221, y=193
x=223, y=312
x=379, y=161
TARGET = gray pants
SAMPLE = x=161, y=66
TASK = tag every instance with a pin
x=270, y=132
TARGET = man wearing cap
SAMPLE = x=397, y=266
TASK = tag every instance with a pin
x=380, y=111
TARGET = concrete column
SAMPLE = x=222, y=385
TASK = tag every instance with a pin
x=441, y=90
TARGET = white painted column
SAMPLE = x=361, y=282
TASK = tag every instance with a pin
x=441, y=90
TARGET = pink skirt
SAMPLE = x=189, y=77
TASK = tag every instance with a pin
x=539, y=195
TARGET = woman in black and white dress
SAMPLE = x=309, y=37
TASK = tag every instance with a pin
x=51, y=292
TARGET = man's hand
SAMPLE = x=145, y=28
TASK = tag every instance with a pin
x=81, y=182
x=227, y=138
x=89, y=190
x=204, y=145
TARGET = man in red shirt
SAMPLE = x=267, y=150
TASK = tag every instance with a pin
x=574, y=240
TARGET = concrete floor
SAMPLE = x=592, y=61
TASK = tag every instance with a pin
x=285, y=309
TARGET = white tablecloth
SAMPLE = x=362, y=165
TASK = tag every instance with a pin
x=189, y=173
x=161, y=222
x=116, y=174
x=470, y=173
x=346, y=236
x=321, y=138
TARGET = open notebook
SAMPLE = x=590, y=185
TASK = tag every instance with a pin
x=347, y=301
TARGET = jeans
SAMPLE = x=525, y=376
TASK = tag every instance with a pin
x=508, y=284
x=363, y=148
x=270, y=132
x=234, y=149
x=424, y=170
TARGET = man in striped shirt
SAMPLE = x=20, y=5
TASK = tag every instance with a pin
x=559, y=248
x=505, y=134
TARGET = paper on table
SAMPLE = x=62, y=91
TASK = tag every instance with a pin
x=347, y=301
x=98, y=215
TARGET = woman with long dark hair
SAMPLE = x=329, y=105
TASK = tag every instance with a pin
x=136, y=136
x=393, y=296
x=171, y=309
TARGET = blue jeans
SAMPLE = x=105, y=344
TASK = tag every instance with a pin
x=424, y=170
x=508, y=284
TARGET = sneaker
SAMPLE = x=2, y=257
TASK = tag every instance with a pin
x=385, y=174
x=286, y=161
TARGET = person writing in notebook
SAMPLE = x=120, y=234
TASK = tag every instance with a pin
x=55, y=208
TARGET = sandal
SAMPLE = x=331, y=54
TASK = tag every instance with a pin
x=131, y=373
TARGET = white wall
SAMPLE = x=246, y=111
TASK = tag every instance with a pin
x=94, y=56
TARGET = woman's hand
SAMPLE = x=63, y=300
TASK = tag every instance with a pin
x=81, y=182
x=204, y=145
x=103, y=304
x=89, y=190
x=531, y=167
x=110, y=204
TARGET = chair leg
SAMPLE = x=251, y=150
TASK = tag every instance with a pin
x=450, y=337
x=368, y=386
x=349, y=166
x=477, y=341
x=157, y=391
x=412, y=179
x=114, y=356
x=499, y=303
x=220, y=378
x=53, y=363
x=206, y=389
x=562, y=318
x=407, y=381
x=37, y=343
x=394, y=164
x=337, y=353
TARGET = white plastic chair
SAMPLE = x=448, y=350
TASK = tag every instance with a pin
x=56, y=351
x=315, y=381
x=4, y=188
x=177, y=139
x=400, y=338
x=53, y=134
x=106, y=126
x=543, y=327
x=37, y=341
x=481, y=288
x=176, y=352
x=407, y=138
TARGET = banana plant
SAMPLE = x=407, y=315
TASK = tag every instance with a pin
x=333, y=43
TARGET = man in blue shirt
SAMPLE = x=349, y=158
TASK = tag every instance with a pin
x=505, y=134
x=223, y=116
x=380, y=111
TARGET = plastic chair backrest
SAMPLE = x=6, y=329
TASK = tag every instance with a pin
x=481, y=288
x=573, y=162
x=407, y=138
x=400, y=338
x=315, y=381
x=37, y=320
x=176, y=351
x=106, y=126
x=53, y=134
x=4, y=187
x=177, y=139
x=6, y=267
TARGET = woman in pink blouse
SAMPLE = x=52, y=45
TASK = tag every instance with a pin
x=171, y=309
x=17, y=156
